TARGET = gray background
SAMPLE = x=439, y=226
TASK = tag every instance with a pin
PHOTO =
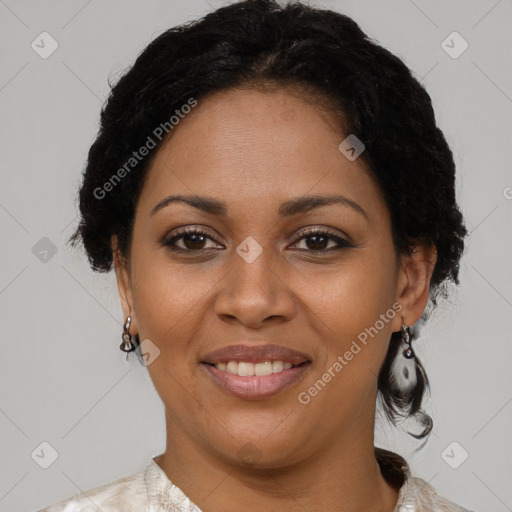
x=64, y=380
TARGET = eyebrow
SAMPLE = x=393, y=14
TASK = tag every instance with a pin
x=306, y=203
x=287, y=209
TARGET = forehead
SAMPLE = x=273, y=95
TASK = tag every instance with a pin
x=248, y=146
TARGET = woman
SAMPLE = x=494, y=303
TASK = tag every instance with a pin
x=278, y=204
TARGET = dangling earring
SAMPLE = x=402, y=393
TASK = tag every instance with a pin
x=127, y=344
x=403, y=369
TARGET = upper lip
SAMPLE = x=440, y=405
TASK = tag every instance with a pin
x=255, y=354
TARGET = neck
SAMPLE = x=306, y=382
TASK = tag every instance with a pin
x=343, y=477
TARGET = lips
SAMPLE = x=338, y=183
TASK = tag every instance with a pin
x=255, y=387
x=256, y=354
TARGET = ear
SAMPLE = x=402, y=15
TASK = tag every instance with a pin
x=414, y=277
x=124, y=282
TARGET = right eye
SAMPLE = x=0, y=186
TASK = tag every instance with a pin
x=189, y=240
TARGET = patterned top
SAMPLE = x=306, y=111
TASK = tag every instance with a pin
x=150, y=490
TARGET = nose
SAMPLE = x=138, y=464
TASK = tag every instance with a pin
x=255, y=294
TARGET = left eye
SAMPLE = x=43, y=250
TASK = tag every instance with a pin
x=322, y=241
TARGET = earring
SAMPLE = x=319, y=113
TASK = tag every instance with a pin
x=406, y=337
x=403, y=369
x=127, y=344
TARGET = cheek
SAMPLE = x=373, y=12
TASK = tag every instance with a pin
x=354, y=295
x=354, y=308
x=172, y=302
x=162, y=295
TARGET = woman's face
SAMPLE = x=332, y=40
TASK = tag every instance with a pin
x=258, y=274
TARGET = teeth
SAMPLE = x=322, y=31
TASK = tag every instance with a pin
x=277, y=366
x=246, y=369
x=232, y=367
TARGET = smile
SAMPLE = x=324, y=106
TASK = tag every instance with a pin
x=255, y=381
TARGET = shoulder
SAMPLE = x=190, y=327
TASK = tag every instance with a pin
x=415, y=494
x=127, y=494
x=421, y=496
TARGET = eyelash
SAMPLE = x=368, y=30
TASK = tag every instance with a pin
x=342, y=242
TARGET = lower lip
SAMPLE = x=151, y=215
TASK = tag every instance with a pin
x=256, y=387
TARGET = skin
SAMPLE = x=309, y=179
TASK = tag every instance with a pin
x=253, y=150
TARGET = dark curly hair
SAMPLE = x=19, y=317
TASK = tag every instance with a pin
x=259, y=43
